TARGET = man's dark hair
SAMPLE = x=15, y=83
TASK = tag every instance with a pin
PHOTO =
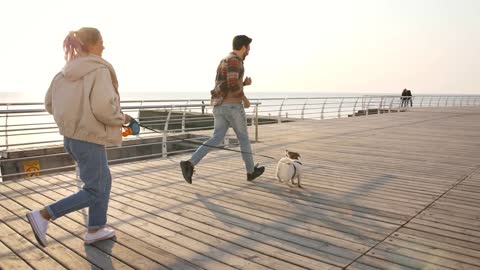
x=240, y=41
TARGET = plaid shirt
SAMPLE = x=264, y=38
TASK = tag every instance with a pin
x=229, y=80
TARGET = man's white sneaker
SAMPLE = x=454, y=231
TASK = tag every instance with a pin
x=101, y=234
x=39, y=226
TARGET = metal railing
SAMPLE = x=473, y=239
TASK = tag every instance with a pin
x=27, y=125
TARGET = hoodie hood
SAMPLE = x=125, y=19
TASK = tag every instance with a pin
x=79, y=67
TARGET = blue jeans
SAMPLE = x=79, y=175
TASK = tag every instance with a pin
x=91, y=160
x=228, y=115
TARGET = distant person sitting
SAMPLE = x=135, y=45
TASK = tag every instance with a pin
x=403, y=98
x=409, y=99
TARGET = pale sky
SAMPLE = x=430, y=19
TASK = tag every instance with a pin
x=354, y=46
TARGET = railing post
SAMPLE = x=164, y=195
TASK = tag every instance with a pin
x=446, y=102
x=256, y=122
x=421, y=102
x=380, y=105
x=280, y=111
x=323, y=108
x=438, y=103
x=461, y=101
x=340, y=108
x=303, y=109
x=391, y=104
x=6, y=129
x=184, y=116
x=430, y=103
x=354, y=107
x=368, y=105
x=165, y=133
x=454, y=101
x=139, y=112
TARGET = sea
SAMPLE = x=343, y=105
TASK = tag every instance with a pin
x=38, y=96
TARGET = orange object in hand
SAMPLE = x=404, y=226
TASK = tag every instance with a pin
x=132, y=129
x=127, y=131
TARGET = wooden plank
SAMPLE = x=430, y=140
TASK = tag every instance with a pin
x=361, y=266
x=440, y=238
x=466, y=195
x=451, y=211
x=311, y=212
x=382, y=264
x=435, y=248
x=150, y=230
x=212, y=202
x=434, y=259
x=348, y=193
x=470, y=224
x=144, y=234
x=124, y=253
x=305, y=211
x=461, y=207
x=363, y=205
x=77, y=253
x=56, y=250
x=10, y=260
x=205, y=216
x=464, y=233
x=404, y=260
x=332, y=205
x=16, y=248
x=235, y=244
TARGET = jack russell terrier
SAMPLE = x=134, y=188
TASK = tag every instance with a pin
x=290, y=168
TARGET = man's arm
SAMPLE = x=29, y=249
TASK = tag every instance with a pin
x=234, y=84
x=246, y=102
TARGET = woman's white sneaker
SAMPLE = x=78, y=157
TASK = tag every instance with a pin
x=39, y=226
x=102, y=234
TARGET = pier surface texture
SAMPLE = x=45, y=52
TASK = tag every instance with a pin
x=390, y=191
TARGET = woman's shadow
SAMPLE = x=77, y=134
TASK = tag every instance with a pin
x=103, y=259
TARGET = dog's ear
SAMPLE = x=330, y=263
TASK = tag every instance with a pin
x=294, y=155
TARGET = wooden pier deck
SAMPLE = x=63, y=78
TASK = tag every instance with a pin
x=391, y=191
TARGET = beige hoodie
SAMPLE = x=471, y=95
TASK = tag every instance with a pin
x=85, y=103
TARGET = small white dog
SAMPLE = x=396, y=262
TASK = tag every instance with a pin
x=289, y=168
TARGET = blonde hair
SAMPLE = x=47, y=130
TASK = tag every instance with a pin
x=76, y=42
